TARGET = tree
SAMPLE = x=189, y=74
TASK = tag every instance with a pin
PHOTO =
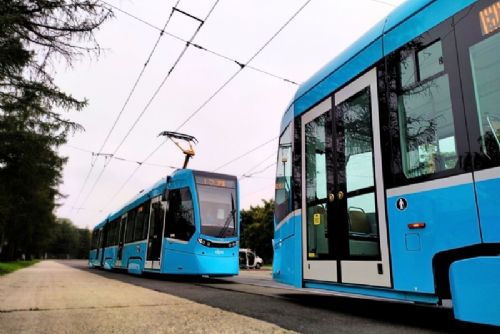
x=68, y=241
x=33, y=35
x=257, y=229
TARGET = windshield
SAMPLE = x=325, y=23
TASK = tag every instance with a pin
x=217, y=211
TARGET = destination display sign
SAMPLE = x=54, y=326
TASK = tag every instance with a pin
x=215, y=182
x=490, y=18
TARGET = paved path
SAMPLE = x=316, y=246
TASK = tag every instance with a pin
x=51, y=297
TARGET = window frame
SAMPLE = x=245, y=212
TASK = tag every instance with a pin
x=279, y=214
x=390, y=90
x=170, y=220
x=468, y=33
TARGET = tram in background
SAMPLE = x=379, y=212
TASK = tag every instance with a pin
x=187, y=224
x=388, y=179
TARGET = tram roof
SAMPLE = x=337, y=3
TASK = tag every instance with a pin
x=156, y=189
x=402, y=25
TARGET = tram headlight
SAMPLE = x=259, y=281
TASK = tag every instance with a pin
x=204, y=242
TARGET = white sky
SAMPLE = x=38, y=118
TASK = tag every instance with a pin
x=245, y=114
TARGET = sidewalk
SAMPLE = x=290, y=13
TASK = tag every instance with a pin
x=53, y=298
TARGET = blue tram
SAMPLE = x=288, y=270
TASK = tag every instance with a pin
x=388, y=178
x=187, y=224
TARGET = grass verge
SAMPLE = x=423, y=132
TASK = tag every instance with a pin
x=8, y=267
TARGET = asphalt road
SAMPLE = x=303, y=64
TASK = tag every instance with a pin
x=253, y=294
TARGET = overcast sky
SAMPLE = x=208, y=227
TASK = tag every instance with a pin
x=244, y=115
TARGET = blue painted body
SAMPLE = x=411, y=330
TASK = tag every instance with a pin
x=451, y=222
x=456, y=217
x=488, y=197
x=400, y=27
x=95, y=256
x=375, y=292
x=178, y=257
x=287, y=244
x=476, y=282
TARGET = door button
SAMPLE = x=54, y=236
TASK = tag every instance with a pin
x=340, y=195
x=331, y=197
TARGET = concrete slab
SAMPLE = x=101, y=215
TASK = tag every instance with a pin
x=53, y=298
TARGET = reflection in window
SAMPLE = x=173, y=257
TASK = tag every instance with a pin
x=217, y=211
x=180, y=219
x=363, y=226
x=430, y=61
x=356, y=117
x=141, y=222
x=407, y=70
x=129, y=236
x=360, y=180
x=316, y=189
x=427, y=131
x=486, y=74
x=283, y=198
x=315, y=159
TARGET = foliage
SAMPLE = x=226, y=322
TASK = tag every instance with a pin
x=8, y=267
x=68, y=241
x=34, y=34
x=257, y=229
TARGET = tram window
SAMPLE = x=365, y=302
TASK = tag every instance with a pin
x=113, y=233
x=283, y=176
x=316, y=189
x=94, y=239
x=180, y=216
x=141, y=222
x=486, y=78
x=129, y=236
x=316, y=184
x=407, y=70
x=426, y=126
x=430, y=61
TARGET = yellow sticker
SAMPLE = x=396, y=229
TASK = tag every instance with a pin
x=317, y=219
x=312, y=254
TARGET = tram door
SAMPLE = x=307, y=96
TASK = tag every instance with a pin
x=344, y=222
x=155, y=234
x=478, y=44
x=121, y=240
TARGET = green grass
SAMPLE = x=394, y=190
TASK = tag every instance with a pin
x=8, y=267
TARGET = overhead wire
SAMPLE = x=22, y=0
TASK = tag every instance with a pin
x=131, y=176
x=198, y=46
x=121, y=159
x=245, y=154
x=248, y=172
x=155, y=94
x=259, y=171
x=134, y=86
x=242, y=66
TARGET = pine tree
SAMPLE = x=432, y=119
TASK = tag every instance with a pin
x=34, y=34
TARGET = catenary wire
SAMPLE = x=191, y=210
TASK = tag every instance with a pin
x=216, y=93
x=134, y=86
x=155, y=94
x=217, y=54
x=242, y=66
